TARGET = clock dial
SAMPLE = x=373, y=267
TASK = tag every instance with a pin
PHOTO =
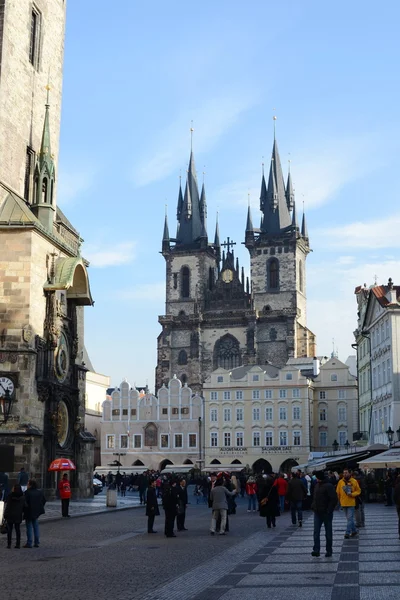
x=227, y=276
x=62, y=358
x=62, y=423
x=6, y=384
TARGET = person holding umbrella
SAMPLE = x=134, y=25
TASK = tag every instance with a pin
x=64, y=489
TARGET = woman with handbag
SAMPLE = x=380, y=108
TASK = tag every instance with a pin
x=269, y=499
x=13, y=513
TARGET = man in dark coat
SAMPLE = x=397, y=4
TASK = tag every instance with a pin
x=170, y=502
x=183, y=500
x=323, y=505
x=269, y=500
x=152, y=509
x=296, y=493
x=34, y=507
x=13, y=513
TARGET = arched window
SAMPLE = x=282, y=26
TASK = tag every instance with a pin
x=273, y=274
x=210, y=278
x=185, y=282
x=301, y=283
x=44, y=191
x=51, y=191
x=150, y=435
x=227, y=353
x=182, y=357
x=183, y=378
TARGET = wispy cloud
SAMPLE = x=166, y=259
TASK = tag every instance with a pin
x=72, y=183
x=150, y=292
x=212, y=119
x=118, y=254
x=376, y=233
x=318, y=171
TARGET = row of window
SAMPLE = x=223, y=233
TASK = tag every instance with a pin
x=342, y=414
x=341, y=438
x=341, y=394
x=136, y=443
x=117, y=412
x=365, y=380
x=380, y=333
x=238, y=439
x=255, y=394
x=256, y=413
x=381, y=374
x=382, y=419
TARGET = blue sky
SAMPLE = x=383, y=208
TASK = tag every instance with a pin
x=134, y=79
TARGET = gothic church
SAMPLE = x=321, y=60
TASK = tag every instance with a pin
x=214, y=317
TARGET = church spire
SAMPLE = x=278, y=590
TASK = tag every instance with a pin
x=180, y=200
x=275, y=209
x=304, y=229
x=295, y=224
x=249, y=234
x=166, y=238
x=203, y=208
x=190, y=222
x=289, y=191
x=44, y=177
x=217, y=243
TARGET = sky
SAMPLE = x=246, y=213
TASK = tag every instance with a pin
x=135, y=77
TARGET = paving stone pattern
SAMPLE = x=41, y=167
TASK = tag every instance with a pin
x=363, y=568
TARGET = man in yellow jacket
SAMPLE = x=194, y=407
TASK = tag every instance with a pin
x=347, y=490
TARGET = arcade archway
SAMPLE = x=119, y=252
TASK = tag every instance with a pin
x=164, y=463
x=262, y=466
x=287, y=465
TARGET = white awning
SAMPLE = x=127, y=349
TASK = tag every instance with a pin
x=177, y=469
x=386, y=460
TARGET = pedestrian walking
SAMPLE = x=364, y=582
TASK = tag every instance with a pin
x=170, y=502
x=23, y=479
x=396, y=498
x=64, y=489
x=359, y=513
x=347, y=490
x=296, y=493
x=34, y=507
x=13, y=514
x=3, y=486
x=219, y=504
x=268, y=498
x=323, y=505
x=183, y=500
x=389, y=483
x=251, y=491
x=282, y=486
x=152, y=510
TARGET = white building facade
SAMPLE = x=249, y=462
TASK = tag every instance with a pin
x=143, y=430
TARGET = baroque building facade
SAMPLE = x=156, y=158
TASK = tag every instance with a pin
x=44, y=283
x=143, y=430
x=214, y=316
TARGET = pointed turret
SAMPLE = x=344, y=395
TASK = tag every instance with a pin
x=190, y=222
x=217, y=243
x=166, y=239
x=203, y=216
x=275, y=209
x=44, y=178
x=289, y=192
x=263, y=193
x=249, y=235
x=295, y=224
x=180, y=201
x=304, y=230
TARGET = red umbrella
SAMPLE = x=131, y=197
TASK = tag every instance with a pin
x=62, y=464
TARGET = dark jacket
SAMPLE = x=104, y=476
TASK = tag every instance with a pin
x=151, y=503
x=396, y=493
x=14, y=508
x=34, y=504
x=270, y=491
x=325, y=498
x=170, y=499
x=183, y=499
x=297, y=491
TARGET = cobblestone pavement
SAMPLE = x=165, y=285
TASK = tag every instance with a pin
x=111, y=554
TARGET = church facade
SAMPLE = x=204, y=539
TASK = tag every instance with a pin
x=44, y=283
x=214, y=316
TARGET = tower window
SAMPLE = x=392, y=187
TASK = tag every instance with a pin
x=273, y=274
x=175, y=281
x=182, y=358
x=29, y=163
x=185, y=282
x=210, y=278
x=44, y=191
x=301, y=283
x=34, y=43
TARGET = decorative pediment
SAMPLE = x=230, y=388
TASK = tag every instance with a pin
x=71, y=275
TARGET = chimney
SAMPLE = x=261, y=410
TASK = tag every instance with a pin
x=391, y=294
x=315, y=366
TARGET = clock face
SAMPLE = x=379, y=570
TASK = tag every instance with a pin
x=227, y=276
x=62, y=423
x=6, y=384
x=62, y=358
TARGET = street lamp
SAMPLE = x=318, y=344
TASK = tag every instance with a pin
x=6, y=403
x=335, y=445
x=398, y=434
x=119, y=454
x=390, y=434
x=347, y=445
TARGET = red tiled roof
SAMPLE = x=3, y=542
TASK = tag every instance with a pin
x=380, y=292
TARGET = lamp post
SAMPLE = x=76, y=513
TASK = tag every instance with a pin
x=390, y=434
x=347, y=445
x=398, y=434
x=335, y=446
x=6, y=403
x=200, y=457
x=119, y=454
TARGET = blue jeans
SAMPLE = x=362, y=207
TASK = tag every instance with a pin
x=252, y=501
x=296, y=506
x=349, y=513
x=282, y=503
x=326, y=520
x=34, y=524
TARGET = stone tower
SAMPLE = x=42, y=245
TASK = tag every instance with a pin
x=278, y=252
x=44, y=282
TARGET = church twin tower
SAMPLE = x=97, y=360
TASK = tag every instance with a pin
x=214, y=317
